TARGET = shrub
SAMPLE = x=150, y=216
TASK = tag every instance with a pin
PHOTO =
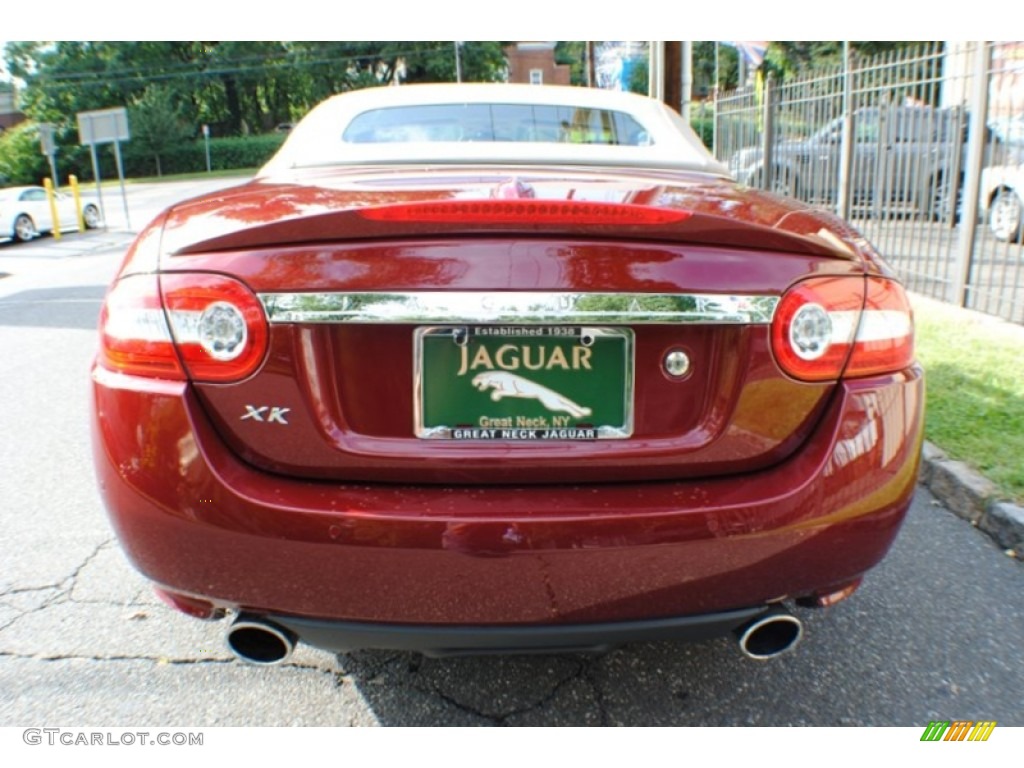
x=704, y=127
x=22, y=162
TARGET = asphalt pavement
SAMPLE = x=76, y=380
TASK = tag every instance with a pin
x=935, y=632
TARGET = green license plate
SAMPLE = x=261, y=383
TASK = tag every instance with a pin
x=524, y=383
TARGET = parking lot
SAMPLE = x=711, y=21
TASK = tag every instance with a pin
x=936, y=632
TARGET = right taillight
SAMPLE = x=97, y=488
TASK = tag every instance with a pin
x=827, y=327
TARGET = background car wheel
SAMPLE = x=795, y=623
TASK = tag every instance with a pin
x=942, y=197
x=91, y=214
x=24, y=228
x=1004, y=216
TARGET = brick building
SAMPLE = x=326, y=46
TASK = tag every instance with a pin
x=534, y=62
x=9, y=114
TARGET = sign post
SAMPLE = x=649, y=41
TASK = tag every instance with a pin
x=49, y=147
x=206, y=138
x=120, y=175
x=106, y=126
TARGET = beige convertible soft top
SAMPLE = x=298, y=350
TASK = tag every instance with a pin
x=323, y=137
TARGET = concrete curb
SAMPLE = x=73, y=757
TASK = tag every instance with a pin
x=970, y=496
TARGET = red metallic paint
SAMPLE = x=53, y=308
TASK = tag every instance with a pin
x=323, y=207
x=350, y=388
x=195, y=518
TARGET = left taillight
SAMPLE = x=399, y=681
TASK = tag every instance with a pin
x=201, y=326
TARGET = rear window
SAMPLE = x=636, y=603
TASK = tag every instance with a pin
x=496, y=122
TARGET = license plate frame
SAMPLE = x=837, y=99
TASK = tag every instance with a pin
x=520, y=389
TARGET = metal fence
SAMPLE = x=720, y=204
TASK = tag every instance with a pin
x=921, y=150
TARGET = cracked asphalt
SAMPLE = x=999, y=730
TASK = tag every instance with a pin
x=936, y=632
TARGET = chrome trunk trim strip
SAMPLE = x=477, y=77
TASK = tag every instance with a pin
x=518, y=307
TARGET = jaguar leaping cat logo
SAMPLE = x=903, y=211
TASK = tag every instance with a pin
x=507, y=384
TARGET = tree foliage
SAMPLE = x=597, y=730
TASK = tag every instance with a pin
x=790, y=57
x=573, y=53
x=156, y=123
x=236, y=87
x=21, y=161
x=784, y=59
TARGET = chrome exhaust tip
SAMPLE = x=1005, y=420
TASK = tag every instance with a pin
x=256, y=641
x=770, y=635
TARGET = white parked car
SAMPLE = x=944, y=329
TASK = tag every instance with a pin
x=1001, y=190
x=25, y=213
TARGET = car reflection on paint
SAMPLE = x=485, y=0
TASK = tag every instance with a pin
x=499, y=368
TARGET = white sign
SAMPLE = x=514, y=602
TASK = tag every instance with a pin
x=46, y=141
x=103, y=126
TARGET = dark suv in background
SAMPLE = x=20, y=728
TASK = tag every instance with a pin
x=904, y=158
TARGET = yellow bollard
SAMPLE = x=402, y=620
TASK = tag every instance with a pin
x=73, y=182
x=53, y=208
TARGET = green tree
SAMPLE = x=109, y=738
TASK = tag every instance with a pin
x=237, y=87
x=431, y=61
x=21, y=162
x=704, y=67
x=573, y=53
x=156, y=123
x=786, y=58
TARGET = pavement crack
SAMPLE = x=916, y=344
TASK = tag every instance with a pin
x=181, y=661
x=62, y=588
x=588, y=674
x=116, y=657
x=24, y=590
x=88, y=559
x=502, y=717
x=58, y=598
x=493, y=719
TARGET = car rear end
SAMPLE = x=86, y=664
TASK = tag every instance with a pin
x=477, y=420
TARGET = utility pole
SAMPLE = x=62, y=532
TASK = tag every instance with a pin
x=844, y=200
x=672, y=69
x=685, y=77
x=656, y=69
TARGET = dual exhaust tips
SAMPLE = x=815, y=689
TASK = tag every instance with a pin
x=258, y=641
x=770, y=634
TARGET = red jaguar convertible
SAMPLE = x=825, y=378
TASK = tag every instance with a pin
x=490, y=368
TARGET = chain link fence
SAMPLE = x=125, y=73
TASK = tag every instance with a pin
x=921, y=150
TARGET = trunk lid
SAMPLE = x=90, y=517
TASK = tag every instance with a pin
x=477, y=351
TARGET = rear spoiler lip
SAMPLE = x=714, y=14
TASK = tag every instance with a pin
x=698, y=228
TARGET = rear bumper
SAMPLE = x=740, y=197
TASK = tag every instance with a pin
x=457, y=640
x=456, y=560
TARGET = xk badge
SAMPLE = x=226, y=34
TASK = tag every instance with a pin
x=271, y=414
